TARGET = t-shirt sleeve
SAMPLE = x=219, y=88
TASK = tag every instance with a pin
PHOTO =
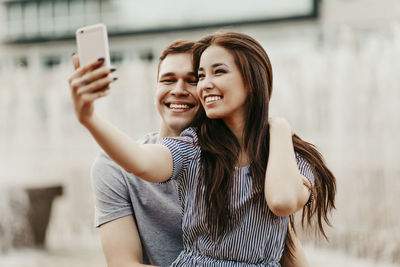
x=306, y=171
x=111, y=196
x=183, y=150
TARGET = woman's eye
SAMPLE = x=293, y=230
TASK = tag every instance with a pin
x=200, y=76
x=218, y=71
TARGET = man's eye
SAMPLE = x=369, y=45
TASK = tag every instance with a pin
x=192, y=82
x=168, y=81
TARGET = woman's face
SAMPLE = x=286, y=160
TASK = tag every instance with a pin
x=220, y=87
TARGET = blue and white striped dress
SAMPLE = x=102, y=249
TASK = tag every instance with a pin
x=257, y=237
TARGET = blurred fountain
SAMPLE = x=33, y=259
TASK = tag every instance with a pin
x=343, y=96
x=14, y=225
x=44, y=146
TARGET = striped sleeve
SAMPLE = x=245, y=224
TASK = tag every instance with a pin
x=183, y=149
x=306, y=171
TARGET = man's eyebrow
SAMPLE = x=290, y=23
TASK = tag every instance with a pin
x=167, y=74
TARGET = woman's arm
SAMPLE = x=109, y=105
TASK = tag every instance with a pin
x=299, y=257
x=87, y=84
x=286, y=190
x=134, y=158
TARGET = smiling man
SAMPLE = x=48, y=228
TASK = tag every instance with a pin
x=140, y=222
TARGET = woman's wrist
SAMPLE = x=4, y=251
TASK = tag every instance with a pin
x=88, y=121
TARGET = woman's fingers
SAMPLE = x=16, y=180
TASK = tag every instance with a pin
x=88, y=98
x=96, y=74
x=87, y=84
x=90, y=78
x=75, y=61
x=81, y=70
x=95, y=86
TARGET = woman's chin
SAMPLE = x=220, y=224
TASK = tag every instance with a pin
x=212, y=115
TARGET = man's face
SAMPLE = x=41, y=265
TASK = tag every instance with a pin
x=176, y=97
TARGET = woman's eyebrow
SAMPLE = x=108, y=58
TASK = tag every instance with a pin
x=214, y=66
x=219, y=64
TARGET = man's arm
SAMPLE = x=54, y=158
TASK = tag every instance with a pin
x=114, y=214
x=121, y=243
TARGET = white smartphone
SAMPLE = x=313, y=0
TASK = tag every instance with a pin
x=92, y=44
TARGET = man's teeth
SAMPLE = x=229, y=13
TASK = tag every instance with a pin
x=212, y=98
x=179, y=106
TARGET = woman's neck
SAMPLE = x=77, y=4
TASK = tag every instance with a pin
x=236, y=125
x=243, y=160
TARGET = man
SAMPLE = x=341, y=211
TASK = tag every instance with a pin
x=140, y=222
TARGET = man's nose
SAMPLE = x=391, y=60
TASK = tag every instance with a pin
x=180, y=88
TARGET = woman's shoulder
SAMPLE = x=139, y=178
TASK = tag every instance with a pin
x=186, y=143
x=189, y=133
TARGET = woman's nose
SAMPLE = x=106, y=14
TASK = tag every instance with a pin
x=206, y=84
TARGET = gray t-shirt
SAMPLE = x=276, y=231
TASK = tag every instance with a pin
x=155, y=207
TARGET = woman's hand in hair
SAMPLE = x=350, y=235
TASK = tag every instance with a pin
x=279, y=122
x=285, y=190
x=88, y=83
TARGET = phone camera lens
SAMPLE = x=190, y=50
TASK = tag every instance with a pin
x=81, y=31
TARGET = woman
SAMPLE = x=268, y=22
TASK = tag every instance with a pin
x=229, y=61
x=234, y=214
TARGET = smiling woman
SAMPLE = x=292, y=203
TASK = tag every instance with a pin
x=235, y=86
x=220, y=87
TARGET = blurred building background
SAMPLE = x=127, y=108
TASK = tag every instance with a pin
x=336, y=65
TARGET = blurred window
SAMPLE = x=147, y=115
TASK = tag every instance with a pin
x=45, y=17
x=76, y=14
x=61, y=18
x=14, y=19
x=54, y=19
x=51, y=61
x=31, y=22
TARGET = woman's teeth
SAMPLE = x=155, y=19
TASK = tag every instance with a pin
x=212, y=99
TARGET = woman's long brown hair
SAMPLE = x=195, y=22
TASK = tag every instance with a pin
x=220, y=148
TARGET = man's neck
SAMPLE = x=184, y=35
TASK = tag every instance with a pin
x=168, y=132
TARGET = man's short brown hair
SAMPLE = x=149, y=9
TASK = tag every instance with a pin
x=177, y=47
